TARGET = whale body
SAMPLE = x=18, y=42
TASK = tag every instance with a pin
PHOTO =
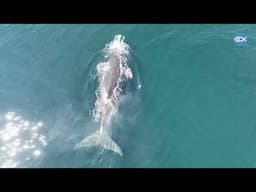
x=112, y=74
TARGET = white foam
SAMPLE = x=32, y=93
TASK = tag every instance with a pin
x=117, y=46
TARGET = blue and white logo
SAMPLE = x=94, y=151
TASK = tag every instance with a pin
x=240, y=39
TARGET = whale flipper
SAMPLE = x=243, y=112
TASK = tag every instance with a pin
x=99, y=139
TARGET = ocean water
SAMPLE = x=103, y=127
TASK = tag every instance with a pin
x=191, y=103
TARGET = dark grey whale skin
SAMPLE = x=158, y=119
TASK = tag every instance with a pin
x=111, y=77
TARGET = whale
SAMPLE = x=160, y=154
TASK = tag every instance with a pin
x=112, y=75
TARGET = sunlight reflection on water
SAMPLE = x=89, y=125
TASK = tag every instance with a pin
x=21, y=140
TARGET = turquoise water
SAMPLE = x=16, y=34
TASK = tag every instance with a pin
x=196, y=106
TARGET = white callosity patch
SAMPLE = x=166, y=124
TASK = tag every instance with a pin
x=20, y=140
x=120, y=49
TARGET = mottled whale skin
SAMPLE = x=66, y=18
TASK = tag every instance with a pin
x=110, y=90
x=112, y=76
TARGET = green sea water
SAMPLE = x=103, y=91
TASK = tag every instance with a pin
x=196, y=106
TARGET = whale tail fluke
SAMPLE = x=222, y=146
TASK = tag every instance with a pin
x=99, y=139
